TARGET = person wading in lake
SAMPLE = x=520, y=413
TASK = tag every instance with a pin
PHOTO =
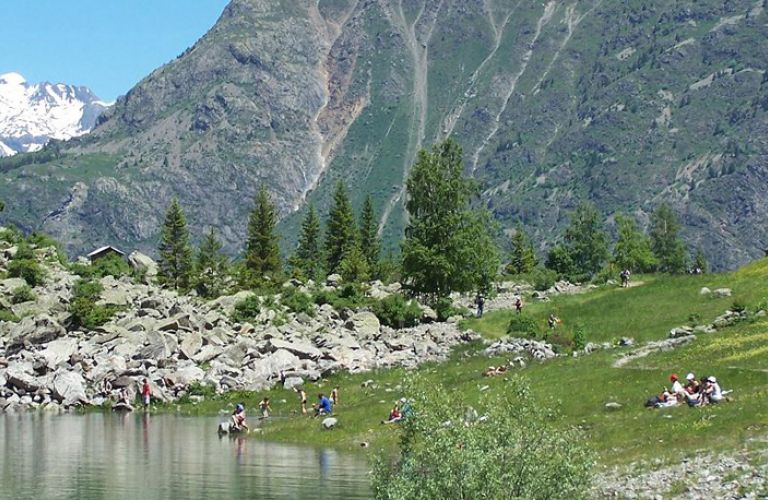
x=146, y=393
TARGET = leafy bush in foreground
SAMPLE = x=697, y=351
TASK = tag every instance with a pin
x=397, y=312
x=523, y=325
x=85, y=312
x=513, y=452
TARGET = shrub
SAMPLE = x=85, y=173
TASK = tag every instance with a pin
x=738, y=306
x=111, y=265
x=28, y=270
x=350, y=297
x=518, y=451
x=21, y=294
x=397, y=312
x=247, y=309
x=523, y=324
x=11, y=235
x=543, y=279
x=579, y=338
x=6, y=315
x=297, y=301
x=85, y=312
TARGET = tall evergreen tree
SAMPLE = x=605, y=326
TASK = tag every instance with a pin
x=586, y=243
x=633, y=249
x=341, y=233
x=262, y=253
x=369, y=236
x=666, y=244
x=175, y=266
x=700, y=262
x=210, y=266
x=447, y=245
x=523, y=258
x=308, y=257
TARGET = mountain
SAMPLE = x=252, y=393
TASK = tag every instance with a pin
x=623, y=103
x=32, y=114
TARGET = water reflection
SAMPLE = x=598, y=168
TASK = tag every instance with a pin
x=162, y=456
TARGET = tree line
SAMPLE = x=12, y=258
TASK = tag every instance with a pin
x=449, y=244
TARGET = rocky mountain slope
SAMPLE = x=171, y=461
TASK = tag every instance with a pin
x=623, y=103
x=33, y=113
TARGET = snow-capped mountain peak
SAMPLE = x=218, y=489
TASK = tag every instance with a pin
x=32, y=114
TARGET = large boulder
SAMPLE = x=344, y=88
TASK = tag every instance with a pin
x=207, y=353
x=69, y=388
x=304, y=350
x=719, y=293
x=185, y=376
x=59, y=351
x=143, y=263
x=191, y=344
x=365, y=324
x=21, y=379
x=329, y=423
x=35, y=330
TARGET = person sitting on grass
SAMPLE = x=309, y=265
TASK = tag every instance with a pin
x=677, y=388
x=394, y=416
x=323, y=406
x=711, y=391
x=692, y=390
x=238, y=418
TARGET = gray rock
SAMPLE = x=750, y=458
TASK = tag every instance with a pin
x=191, y=344
x=69, y=388
x=144, y=263
x=721, y=292
x=365, y=324
x=613, y=406
x=207, y=353
x=333, y=280
x=292, y=382
x=705, y=291
x=304, y=350
x=329, y=423
x=59, y=351
x=21, y=379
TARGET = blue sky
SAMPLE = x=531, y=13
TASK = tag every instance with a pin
x=107, y=45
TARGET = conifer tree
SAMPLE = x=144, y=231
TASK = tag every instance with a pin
x=210, y=266
x=341, y=233
x=667, y=246
x=369, y=236
x=586, y=245
x=447, y=245
x=523, y=258
x=354, y=266
x=262, y=253
x=308, y=257
x=700, y=262
x=175, y=266
x=633, y=249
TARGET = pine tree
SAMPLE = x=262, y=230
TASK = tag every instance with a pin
x=633, y=249
x=354, y=266
x=700, y=262
x=262, y=253
x=585, y=241
x=369, y=236
x=667, y=246
x=341, y=233
x=523, y=258
x=447, y=245
x=210, y=266
x=308, y=259
x=175, y=266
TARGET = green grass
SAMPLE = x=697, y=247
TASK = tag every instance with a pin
x=580, y=386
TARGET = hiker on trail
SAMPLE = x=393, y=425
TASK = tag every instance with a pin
x=303, y=398
x=479, y=302
x=625, y=278
x=238, y=417
x=335, y=396
x=323, y=406
x=146, y=393
x=264, y=408
x=553, y=321
x=519, y=305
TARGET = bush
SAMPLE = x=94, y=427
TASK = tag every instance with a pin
x=397, y=312
x=348, y=297
x=738, y=306
x=6, y=315
x=523, y=325
x=516, y=452
x=28, y=270
x=247, y=309
x=297, y=301
x=85, y=312
x=21, y=294
x=11, y=235
x=445, y=309
x=543, y=279
x=579, y=338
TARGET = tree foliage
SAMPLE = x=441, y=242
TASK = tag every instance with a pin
x=633, y=248
x=210, y=266
x=523, y=257
x=700, y=261
x=666, y=244
x=262, y=251
x=175, y=265
x=341, y=233
x=514, y=452
x=354, y=266
x=448, y=246
x=369, y=236
x=308, y=258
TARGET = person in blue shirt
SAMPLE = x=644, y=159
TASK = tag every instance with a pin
x=323, y=406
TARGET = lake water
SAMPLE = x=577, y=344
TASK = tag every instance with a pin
x=145, y=457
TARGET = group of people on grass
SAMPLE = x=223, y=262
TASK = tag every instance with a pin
x=694, y=392
x=324, y=406
x=401, y=410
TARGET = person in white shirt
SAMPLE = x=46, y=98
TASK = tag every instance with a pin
x=712, y=390
x=677, y=388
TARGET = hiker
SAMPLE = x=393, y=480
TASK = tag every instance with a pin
x=553, y=321
x=625, y=278
x=264, y=407
x=519, y=305
x=146, y=393
x=479, y=302
x=238, y=418
x=323, y=406
x=335, y=396
x=394, y=416
x=303, y=398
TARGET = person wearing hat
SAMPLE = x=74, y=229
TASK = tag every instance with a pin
x=677, y=388
x=692, y=389
x=711, y=392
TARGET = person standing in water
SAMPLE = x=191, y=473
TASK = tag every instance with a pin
x=146, y=393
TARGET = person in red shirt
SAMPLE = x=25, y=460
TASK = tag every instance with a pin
x=146, y=393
